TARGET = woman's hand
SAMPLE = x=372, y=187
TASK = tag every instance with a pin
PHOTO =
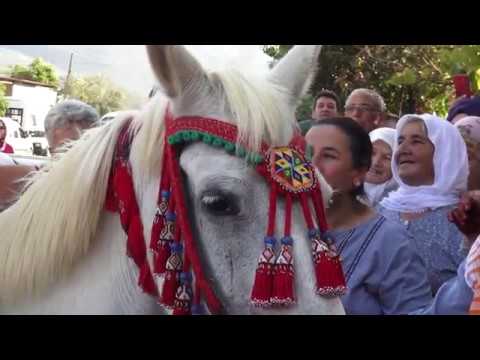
x=467, y=215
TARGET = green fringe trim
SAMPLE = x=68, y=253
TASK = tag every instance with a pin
x=194, y=136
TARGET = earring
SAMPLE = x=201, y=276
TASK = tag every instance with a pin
x=334, y=193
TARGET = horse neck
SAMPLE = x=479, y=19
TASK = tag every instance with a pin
x=104, y=282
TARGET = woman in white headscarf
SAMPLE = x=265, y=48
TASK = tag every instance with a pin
x=430, y=166
x=379, y=180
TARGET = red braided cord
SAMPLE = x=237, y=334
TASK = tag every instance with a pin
x=182, y=220
x=319, y=210
x=272, y=210
x=288, y=214
x=306, y=211
x=164, y=178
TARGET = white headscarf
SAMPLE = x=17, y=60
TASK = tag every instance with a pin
x=450, y=161
x=376, y=192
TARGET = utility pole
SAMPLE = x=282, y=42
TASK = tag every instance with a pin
x=67, y=79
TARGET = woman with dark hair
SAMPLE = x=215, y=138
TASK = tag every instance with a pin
x=383, y=272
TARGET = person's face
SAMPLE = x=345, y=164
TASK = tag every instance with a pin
x=3, y=131
x=325, y=108
x=414, y=156
x=361, y=109
x=68, y=133
x=333, y=158
x=473, y=149
x=381, y=170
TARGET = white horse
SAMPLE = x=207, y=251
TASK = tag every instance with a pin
x=61, y=253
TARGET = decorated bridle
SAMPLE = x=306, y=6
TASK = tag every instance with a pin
x=175, y=255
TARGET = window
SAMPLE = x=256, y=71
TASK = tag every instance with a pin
x=15, y=114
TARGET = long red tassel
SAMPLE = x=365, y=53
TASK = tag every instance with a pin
x=172, y=274
x=263, y=285
x=283, y=273
x=328, y=268
x=165, y=239
x=123, y=183
x=145, y=280
x=183, y=297
x=262, y=290
x=182, y=301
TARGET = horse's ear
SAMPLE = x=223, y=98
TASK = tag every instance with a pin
x=296, y=70
x=174, y=67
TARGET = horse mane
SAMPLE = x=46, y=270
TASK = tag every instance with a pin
x=57, y=217
x=53, y=223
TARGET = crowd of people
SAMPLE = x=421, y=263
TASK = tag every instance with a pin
x=405, y=210
x=403, y=213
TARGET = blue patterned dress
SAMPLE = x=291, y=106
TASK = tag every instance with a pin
x=384, y=274
x=438, y=242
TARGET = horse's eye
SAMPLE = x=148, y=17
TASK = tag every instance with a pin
x=219, y=204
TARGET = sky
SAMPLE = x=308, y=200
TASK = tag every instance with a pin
x=127, y=65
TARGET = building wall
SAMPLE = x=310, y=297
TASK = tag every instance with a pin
x=36, y=101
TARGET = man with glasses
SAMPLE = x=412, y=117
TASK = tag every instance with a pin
x=367, y=108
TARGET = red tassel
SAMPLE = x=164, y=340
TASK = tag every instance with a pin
x=328, y=269
x=124, y=188
x=183, y=297
x=170, y=285
x=283, y=275
x=167, y=235
x=263, y=286
x=161, y=257
x=145, y=280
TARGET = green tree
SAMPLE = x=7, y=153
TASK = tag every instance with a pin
x=411, y=78
x=97, y=91
x=3, y=101
x=38, y=70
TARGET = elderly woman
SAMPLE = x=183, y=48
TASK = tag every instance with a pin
x=431, y=167
x=379, y=181
x=66, y=121
x=469, y=127
x=384, y=274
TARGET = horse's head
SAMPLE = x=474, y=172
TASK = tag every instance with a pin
x=227, y=198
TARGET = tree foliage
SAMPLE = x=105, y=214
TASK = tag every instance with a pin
x=411, y=78
x=38, y=70
x=97, y=91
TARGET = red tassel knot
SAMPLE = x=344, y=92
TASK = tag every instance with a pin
x=283, y=275
x=328, y=267
x=263, y=286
